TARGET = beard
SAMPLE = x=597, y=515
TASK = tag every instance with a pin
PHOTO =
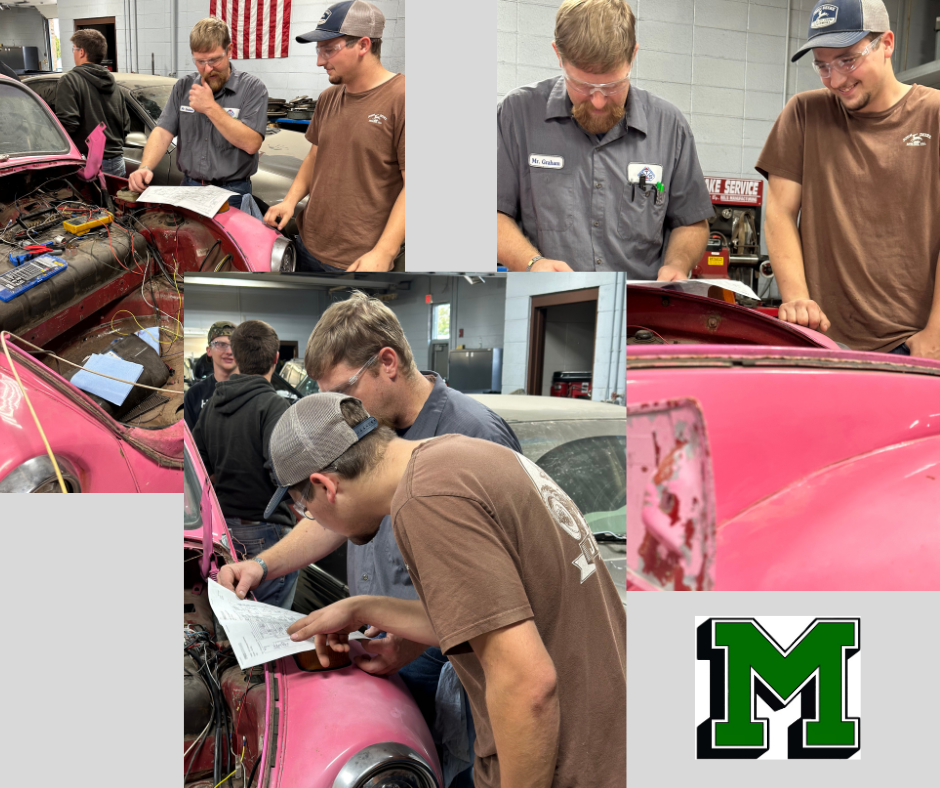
x=861, y=101
x=597, y=124
x=216, y=80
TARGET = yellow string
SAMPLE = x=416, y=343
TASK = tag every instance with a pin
x=58, y=473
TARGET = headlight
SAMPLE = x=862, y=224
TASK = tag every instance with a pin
x=386, y=765
x=283, y=256
x=38, y=476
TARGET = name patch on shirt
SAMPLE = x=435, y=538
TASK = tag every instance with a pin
x=184, y=108
x=233, y=111
x=653, y=172
x=546, y=161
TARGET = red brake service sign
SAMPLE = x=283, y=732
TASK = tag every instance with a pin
x=736, y=191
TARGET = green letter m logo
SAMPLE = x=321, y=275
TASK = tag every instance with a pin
x=746, y=662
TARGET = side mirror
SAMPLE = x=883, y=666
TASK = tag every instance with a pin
x=136, y=139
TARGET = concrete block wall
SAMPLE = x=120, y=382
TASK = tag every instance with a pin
x=609, y=368
x=285, y=78
x=23, y=27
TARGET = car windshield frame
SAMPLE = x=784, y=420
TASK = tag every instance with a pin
x=9, y=90
x=139, y=94
x=192, y=495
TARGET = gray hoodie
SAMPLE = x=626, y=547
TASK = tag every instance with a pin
x=86, y=96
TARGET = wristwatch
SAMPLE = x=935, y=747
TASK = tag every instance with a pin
x=264, y=568
x=533, y=261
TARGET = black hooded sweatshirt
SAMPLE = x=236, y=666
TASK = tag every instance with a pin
x=86, y=96
x=233, y=435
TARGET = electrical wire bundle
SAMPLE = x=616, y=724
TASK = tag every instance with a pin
x=209, y=659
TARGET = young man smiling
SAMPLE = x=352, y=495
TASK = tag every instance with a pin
x=354, y=173
x=858, y=163
x=219, y=352
x=509, y=583
x=219, y=115
x=593, y=174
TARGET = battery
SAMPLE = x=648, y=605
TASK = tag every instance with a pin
x=98, y=220
x=28, y=275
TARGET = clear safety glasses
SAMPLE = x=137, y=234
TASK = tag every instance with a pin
x=847, y=64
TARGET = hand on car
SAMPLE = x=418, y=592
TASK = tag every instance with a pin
x=329, y=627
x=240, y=577
x=280, y=214
x=139, y=180
x=551, y=265
x=804, y=312
x=670, y=273
x=925, y=344
x=390, y=653
x=201, y=98
x=373, y=260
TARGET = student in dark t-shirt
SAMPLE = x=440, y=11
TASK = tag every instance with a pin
x=509, y=579
x=219, y=352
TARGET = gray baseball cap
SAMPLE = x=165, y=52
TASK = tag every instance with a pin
x=308, y=437
x=350, y=18
x=835, y=24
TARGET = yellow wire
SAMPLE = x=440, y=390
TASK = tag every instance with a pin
x=58, y=473
x=99, y=374
x=218, y=784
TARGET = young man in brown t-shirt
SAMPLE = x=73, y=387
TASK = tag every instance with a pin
x=354, y=173
x=509, y=579
x=859, y=163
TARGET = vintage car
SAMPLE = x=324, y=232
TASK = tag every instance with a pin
x=582, y=446
x=287, y=722
x=282, y=152
x=764, y=456
x=88, y=292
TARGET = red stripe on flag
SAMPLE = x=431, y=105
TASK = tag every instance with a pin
x=285, y=28
x=233, y=28
x=246, y=26
x=212, y=7
x=259, y=24
x=272, y=27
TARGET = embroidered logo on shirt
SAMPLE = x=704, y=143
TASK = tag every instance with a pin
x=376, y=118
x=824, y=16
x=546, y=161
x=917, y=140
x=653, y=172
x=232, y=111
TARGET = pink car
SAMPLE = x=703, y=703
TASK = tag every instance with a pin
x=300, y=728
x=90, y=292
x=762, y=456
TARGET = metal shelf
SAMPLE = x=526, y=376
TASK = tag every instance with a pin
x=927, y=74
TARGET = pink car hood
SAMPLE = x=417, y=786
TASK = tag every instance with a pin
x=813, y=454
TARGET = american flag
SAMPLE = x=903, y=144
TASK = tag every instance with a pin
x=260, y=28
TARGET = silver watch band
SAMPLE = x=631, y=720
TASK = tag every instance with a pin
x=264, y=568
x=533, y=261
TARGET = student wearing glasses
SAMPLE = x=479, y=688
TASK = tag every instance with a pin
x=219, y=352
x=593, y=174
x=233, y=436
x=852, y=225
x=218, y=114
x=358, y=348
x=354, y=173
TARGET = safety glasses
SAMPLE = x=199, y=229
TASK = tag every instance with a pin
x=847, y=64
x=606, y=89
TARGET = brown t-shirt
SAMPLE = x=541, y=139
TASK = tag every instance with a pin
x=490, y=540
x=870, y=221
x=360, y=139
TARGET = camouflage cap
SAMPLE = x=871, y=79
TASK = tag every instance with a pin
x=221, y=328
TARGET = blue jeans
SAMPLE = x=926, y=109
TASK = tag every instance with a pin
x=251, y=540
x=114, y=166
x=901, y=350
x=242, y=187
x=307, y=262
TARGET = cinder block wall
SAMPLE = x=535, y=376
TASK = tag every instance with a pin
x=295, y=75
x=22, y=27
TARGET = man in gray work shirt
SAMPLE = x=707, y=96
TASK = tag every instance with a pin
x=358, y=348
x=218, y=114
x=593, y=175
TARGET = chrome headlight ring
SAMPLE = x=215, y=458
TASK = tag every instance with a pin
x=283, y=256
x=38, y=476
x=386, y=765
